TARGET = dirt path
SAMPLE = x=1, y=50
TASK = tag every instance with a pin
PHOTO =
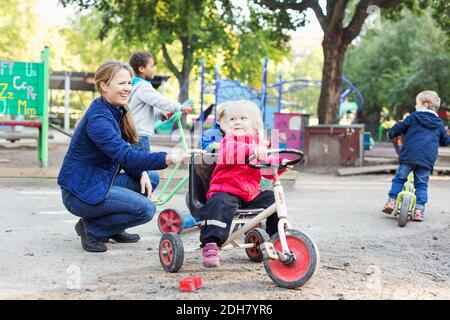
x=364, y=254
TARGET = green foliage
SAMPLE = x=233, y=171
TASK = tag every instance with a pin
x=303, y=100
x=15, y=37
x=440, y=11
x=189, y=31
x=310, y=67
x=259, y=32
x=85, y=49
x=392, y=65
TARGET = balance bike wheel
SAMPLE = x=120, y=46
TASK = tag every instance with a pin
x=171, y=252
x=170, y=220
x=256, y=236
x=403, y=215
x=299, y=271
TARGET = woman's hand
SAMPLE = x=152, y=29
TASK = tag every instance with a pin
x=146, y=184
x=182, y=156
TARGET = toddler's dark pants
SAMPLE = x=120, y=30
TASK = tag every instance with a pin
x=220, y=209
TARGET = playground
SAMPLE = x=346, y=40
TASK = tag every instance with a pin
x=364, y=254
x=327, y=117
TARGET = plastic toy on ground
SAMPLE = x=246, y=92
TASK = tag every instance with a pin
x=190, y=283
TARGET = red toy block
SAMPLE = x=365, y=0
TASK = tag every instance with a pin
x=190, y=283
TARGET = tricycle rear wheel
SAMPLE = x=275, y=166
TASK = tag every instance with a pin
x=170, y=220
x=257, y=236
x=171, y=252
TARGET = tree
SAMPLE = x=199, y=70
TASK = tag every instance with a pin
x=341, y=22
x=440, y=12
x=14, y=42
x=390, y=66
x=84, y=50
x=196, y=29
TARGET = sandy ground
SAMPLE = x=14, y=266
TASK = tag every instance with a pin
x=364, y=254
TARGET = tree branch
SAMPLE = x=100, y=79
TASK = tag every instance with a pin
x=274, y=4
x=169, y=62
x=319, y=14
x=187, y=53
x=300, y=7
x=387, y=3
x=336, y=15
x=360, y=15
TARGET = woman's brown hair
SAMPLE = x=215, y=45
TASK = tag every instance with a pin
x=105, y=73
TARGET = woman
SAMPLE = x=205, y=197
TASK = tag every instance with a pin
x=107, y=201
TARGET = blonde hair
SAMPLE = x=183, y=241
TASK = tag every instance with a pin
x=104, y=74
x=430, y=97
x=241, y=107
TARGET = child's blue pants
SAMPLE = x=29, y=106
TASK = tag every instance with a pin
x=421, y=176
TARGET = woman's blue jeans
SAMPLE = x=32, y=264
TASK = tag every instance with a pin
x=123, y=208
x=421, y=176
x=144, y=145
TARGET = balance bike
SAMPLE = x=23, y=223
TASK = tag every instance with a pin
x=406, y=200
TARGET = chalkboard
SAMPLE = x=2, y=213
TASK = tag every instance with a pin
x=22, y=88
x=24, y=91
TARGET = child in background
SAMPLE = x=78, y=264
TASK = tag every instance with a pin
x=146, y=103
x=423, y=132
x=233, y=183
x=212, y=137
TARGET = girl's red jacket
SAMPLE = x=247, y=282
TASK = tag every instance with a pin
x=232, y=174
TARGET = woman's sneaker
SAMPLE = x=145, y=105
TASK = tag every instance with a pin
x=418, y=215
x=211, y=255
x=389, y=206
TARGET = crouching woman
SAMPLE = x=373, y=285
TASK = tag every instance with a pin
x=93, y=188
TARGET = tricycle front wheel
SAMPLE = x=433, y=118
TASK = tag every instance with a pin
x=301, y=269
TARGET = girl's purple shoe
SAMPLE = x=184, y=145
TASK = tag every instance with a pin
x=211, y=255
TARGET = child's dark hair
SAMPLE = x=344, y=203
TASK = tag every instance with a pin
x=139, y=59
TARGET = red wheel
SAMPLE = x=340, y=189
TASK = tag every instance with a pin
x=171, y=252
x=301, y=269
x=170, y=220
x=256, y=236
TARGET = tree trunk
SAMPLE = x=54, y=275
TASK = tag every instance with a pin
x=183, y=76
x=184, y=93
x=334, y=51
x=184, y=86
